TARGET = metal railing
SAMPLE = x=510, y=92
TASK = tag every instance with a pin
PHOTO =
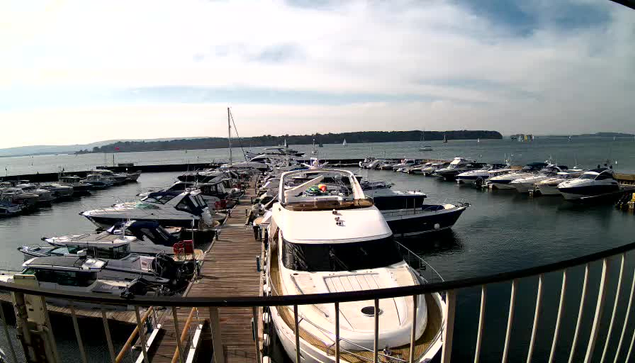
x=598, y=339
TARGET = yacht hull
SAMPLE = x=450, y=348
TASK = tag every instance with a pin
x=548, y=189
x=107, y=222
x=405, y=223
x=576, y=193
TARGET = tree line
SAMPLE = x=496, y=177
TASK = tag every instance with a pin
x=269, y=140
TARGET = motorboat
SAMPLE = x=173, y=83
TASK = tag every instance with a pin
x=430, y=170
x=364, y=164
x=214, y=194
x=320, y=239
x=525, y=185
x=276, y=151
x=549, y=186
x=187, y=209
x=407, y=214
x=404, y=163
x=15, y=196
x=142, y=237
x=8, y=209
x=98, y=181
x=425, y=148
x=325, y=241
x=116, y=178
x=43, y=196
x=593, y=183
x=418, y=169
x=120, y=264
x=375, y=188
x=386, y=165
x=79, y=187
x=78, y=275
x=457, y=166
x=59, y=191
x=503, y=182
x=480, y=176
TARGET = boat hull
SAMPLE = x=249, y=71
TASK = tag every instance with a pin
x=576, y=193
x=404, y=224
x=107, y=222
x=312, y=354
x=548, y=189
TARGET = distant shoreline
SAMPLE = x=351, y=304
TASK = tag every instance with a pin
x=269, y=140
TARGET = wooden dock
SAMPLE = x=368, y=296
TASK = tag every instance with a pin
x=229, y=269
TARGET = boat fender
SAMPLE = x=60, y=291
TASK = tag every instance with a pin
x=437, y=226
x=266, y=359
x=266, y=318
x=266, y=340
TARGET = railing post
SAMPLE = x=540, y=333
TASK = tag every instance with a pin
x=179, y=346
x=556, y=332
x=510, y=320
x=628, y=313
x=297, y=333
x=448, y=330
x=376, y=335
x=617, y=299
x=599, y=308
x=580, y=313
x=217, y=343
x=78, y=334
x=111, y=348
x=413, y=331
x=534, y=329
x=481, y=324
x=337, y=332
x=8, y=335
x=142, y=335
x=254, y=311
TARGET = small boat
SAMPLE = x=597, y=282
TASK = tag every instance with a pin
x=344, y=143
x=549, y=186
x=43, y=196
x=525, y=185
x=115, y=178
x=59, y=191
x=79, y=275
x=418, y=169
x=457, y=166
x=480, y=176
x=408, y=215
x=593, y=183
x=503, y=182
x=8, y=209
x=386, y=165
x=445, y=139
x=425, y=148
x=79, y=187
x=187, y=209
x=430, y=170
x=98, y=181
x=404, y=163
x=143, y=238
x=321, y=237
x=364, y=164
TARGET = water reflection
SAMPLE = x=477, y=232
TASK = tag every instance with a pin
x=432, y=244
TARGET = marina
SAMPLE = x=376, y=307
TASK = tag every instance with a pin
x=456, y=252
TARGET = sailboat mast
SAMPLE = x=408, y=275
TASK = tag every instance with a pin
x=229, y=134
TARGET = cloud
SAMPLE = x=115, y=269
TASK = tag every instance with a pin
x=516, y=66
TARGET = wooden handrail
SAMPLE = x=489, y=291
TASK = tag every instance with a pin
x=183, y=337
x=132, y=337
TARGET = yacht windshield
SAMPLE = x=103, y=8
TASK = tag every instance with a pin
x=588, y=176
x=340, y=256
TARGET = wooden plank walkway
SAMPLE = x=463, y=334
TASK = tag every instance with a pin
x=229, y=269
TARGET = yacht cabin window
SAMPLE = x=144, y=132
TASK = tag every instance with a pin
x=340, y=256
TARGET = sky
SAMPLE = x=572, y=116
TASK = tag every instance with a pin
x=83, y=71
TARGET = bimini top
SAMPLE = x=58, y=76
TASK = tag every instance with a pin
x=326, y=206
x=306, y=190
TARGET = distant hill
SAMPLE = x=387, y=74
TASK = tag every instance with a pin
x=269, y=140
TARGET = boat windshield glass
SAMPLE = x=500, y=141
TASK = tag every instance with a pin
x=588, y=176
x=340, y=256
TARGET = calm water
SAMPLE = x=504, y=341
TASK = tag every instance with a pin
x=501, y=231
x=586, y=152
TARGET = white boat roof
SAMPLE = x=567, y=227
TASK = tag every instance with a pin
x=311, y=227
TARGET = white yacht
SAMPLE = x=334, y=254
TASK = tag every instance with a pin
x=404, y=163
x=418, y=169
x=78, y=275
x=326, y=241
x=525, y=185
x=187, y=209
x=59, y=191
x=549, y=186
x=457, y=166
x=44, y=196
x=144, y=238
x=479, y=176
x=503, y=182
x=593, y=183
x=430, y=170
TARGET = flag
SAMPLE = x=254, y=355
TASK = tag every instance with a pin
x=116, y=148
